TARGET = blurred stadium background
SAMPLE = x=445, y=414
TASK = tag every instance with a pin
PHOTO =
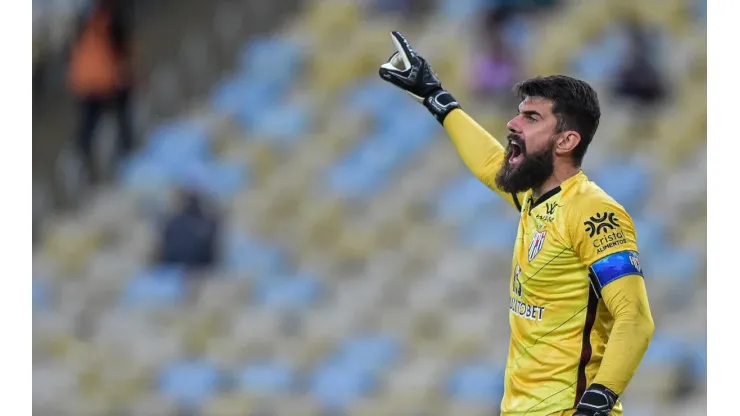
x=360, y=269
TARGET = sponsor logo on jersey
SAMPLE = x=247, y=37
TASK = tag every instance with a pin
x=538, y=240
x=525, y=310
x=601, y=223
x=517, y=285
x=549, y=215
x=608, y=241
x=519, y=308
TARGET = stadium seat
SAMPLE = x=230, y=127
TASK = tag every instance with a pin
x=267, y=378
x=284, y=125
x=41, y=296
x=627, y=182
x=189, y=383
x=368, y=352
x=245, y=98
x=598, y=61
x=287, y=292
x=372, y=96
x=335, y=386
x=492, y=233
x=462, y=9
x=476, y=383
x=465, y=198
x=699, y=358
x=243, y=253
x=158, y=286
x=271, y=59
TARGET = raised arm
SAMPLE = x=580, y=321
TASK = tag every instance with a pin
x=482, y=154
x=480, y=151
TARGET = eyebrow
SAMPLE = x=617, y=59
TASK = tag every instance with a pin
x=530, y=113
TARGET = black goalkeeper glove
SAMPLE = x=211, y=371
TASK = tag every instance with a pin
x=410, y=72
x=597, y=400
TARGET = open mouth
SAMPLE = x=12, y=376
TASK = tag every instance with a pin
x=516, y=155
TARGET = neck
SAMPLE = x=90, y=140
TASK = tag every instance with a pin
x=560, y=175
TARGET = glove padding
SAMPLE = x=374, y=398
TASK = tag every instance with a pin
x=410, y=72
x=597, y=400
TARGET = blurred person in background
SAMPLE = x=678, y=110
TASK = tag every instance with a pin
x=190, y=234
x=100, y=75
x=638, y=79
x=497, y=67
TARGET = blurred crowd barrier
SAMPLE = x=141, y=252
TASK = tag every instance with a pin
x=303, y=239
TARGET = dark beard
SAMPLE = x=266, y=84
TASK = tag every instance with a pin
x=533, y=171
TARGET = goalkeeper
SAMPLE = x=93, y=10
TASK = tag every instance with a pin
x=578, y=310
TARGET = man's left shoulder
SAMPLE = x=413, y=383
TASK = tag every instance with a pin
x=588, y=199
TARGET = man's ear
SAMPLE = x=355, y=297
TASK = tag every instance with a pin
x=567, y=142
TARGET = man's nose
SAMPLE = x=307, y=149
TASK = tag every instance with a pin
x=513, y=126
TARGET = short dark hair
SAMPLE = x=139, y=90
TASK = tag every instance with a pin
x=574, y=103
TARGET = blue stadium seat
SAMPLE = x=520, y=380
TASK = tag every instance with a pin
x=373, y=96
x=271, y=58
x=699, y=8
x=284, y=124
x=462, y=9
x=651, y=235
x=481, y=384
x=336, y=387
x=178, y=141
x=627, y=182
x=465, y=198
x=217, y=178
x=143, y=174
x=245, y=97
x=489, y=232
x=159, y=285
x=287, y=292
x=170, y=153
x=664, y=350
x=698, y=357
x=598, y=61
x=269, y=378
x=40, y=295
x=366, y=169
x=189, y=383
x=245, y=254
x=518, y=31
x=679, y=265
x=370, y=352
x=408, y=127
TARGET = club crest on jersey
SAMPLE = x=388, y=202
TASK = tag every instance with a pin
x=538, y=240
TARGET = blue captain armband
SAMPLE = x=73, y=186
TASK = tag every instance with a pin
x=613, y=267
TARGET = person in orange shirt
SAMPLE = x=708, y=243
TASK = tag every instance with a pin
x=100, y=75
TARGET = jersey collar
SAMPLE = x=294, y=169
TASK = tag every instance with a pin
x=556, y=190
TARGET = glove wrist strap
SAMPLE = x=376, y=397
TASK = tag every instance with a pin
x=440, y=103
x=597, y=400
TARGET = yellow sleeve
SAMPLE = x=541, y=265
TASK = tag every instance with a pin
x=482, y=154
x=604, y=236
x=627, y=301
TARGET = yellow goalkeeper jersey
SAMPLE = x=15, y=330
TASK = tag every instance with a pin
x=576, y=286
x=571, y=242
